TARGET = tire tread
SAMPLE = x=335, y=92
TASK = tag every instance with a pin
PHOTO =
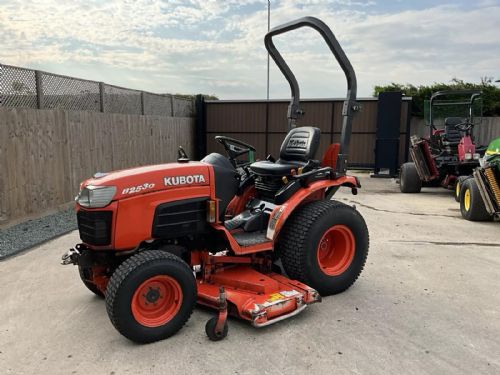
x=294, y=236
x=124, y=270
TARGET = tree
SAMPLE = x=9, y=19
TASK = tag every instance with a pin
x=491, y=93
x=20, y=87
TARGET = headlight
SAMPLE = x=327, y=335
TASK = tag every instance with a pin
x=95, y=196
x=477, y=156
x=468, y=156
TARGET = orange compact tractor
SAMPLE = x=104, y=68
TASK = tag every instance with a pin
x=158, y=239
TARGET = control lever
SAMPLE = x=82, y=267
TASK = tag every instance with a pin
x=270, y=158
x=182, y=157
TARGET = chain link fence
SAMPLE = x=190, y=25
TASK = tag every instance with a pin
x=20, y=87
x=69, y=93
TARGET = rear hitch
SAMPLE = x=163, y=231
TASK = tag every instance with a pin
x=70, y=257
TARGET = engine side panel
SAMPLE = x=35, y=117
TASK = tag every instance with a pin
x=180, y=218
x=134, y=221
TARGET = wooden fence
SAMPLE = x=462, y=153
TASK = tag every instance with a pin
x=45, y=154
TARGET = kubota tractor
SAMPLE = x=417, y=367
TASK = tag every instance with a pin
x=158, y=239
x=449, y=154
x=480, y=195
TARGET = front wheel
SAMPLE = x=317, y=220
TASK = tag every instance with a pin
x=325, y=245
x=87, y=277
x=458, y=185
x=409, y=180
x=151, y=296
x=471, y=203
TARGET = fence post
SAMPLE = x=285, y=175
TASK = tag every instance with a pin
x=200, y=134
x=142, y=103
x=39, y=89
x=101, y=96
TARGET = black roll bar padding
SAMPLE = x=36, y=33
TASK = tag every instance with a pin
x=474, y=94
x=294, y=111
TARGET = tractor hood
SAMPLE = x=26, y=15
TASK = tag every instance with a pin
x=134, y=181
x=492, y=154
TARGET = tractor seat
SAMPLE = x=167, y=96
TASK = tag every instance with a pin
x=299, y=146
x=451, y=135
x=268, y=168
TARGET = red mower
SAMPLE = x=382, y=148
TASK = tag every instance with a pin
x=449, y=154
x=219, y=232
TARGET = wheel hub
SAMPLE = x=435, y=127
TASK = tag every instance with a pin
x=467, y=199
x=153, y=295
x=156, y=301
x=336, y=250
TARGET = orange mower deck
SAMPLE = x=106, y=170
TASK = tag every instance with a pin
x=262, y=299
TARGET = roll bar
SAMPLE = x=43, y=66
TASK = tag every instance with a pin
x=474, y=94
x=294, y=110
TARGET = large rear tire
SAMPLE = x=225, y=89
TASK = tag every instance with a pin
x=471, y=203
x=151, y=296
x=324, y=244
x=409, y=180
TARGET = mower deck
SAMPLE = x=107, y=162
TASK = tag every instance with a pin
x=263, y=299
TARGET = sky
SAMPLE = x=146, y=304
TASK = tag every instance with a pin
x=216, y=47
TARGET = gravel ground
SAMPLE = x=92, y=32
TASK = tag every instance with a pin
x=34, y=232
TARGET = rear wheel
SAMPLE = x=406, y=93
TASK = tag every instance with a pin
x=324, y=245
x=409, y=180
x=471, y=203
x=87, y=275
x=151, y=296
x=458, y=185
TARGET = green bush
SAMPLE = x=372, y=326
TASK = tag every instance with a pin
x=491, y=93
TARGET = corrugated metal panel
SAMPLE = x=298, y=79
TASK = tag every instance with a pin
x=236, y=117
x=257, y=140
x=247, y=121
x=318, y=115
x=488, y=130
x=274, y=143
x=361, y=149
x=277, y=117
x=364, y=121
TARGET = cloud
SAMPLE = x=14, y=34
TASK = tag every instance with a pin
x=217, y=46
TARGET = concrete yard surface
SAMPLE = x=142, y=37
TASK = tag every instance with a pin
x=428, y=302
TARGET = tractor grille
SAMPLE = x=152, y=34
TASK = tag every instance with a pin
x=95, y=227
x=492, y=180
x=267, y=187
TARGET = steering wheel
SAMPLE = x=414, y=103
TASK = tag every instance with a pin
x=235, y=148
x=463, y=126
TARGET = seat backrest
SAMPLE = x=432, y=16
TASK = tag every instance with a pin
x=452, y=134
x=300, y=144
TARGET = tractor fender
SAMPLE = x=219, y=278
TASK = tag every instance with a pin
x=315, y=191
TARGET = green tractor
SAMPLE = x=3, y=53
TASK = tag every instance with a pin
x=480, y=194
